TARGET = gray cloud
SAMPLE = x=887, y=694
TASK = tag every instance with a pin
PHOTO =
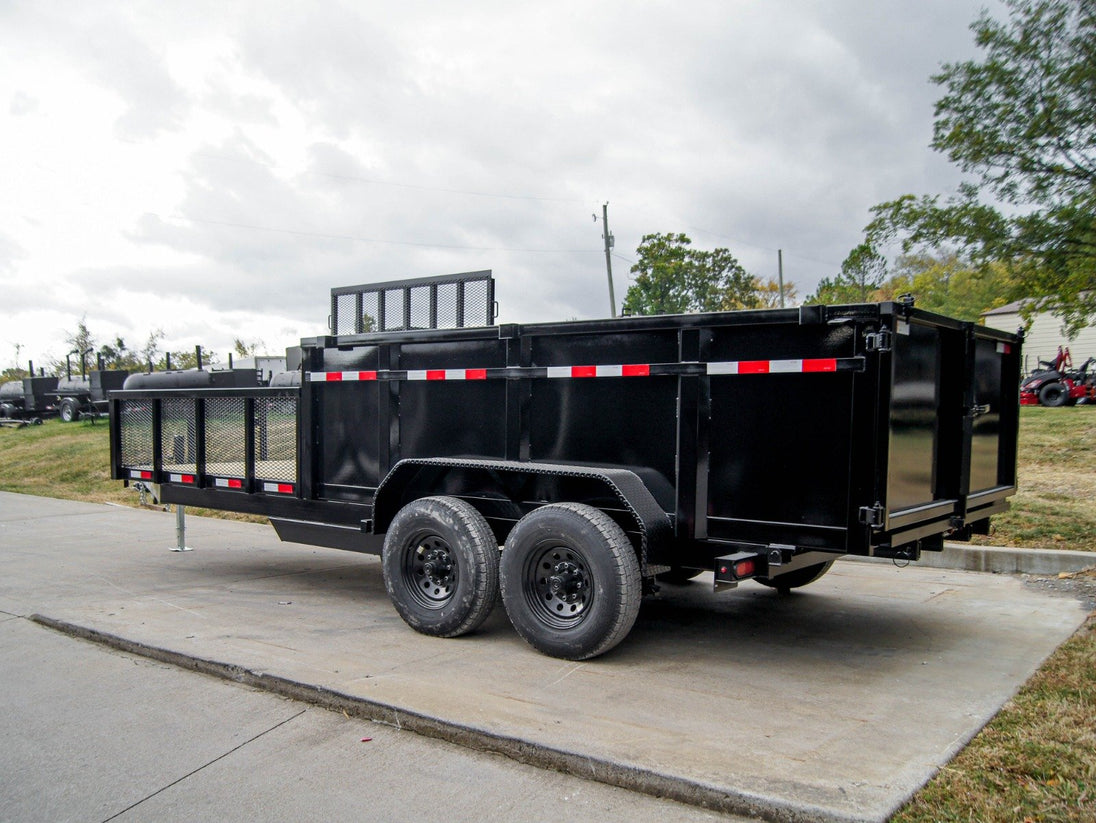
x=381, y=141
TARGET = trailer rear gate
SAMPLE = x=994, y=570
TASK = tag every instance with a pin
x=781, y=437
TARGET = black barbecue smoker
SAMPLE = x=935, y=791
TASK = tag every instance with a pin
x=602, y=456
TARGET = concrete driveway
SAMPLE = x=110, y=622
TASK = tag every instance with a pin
x=834, y=703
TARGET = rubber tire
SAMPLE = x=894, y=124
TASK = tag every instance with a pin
x=678, y=575
x=797, y=579
x=463, y=533
x=613, y=584
x=1054, y=395
x=69, y=413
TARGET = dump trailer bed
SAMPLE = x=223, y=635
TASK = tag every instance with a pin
x=603, y=455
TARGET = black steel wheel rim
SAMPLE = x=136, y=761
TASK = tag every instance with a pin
x=558, y=585
x=430, y=571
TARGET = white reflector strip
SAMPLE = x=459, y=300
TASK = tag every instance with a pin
x=610, y=371
x=417, y=375
x=280, y=488
x=723, y=368
x=136, y=474
x=559, y=371
x=785, y=366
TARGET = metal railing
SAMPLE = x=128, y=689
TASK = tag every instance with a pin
x=451, y=301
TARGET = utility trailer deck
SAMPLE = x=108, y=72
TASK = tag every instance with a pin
x=602, y=455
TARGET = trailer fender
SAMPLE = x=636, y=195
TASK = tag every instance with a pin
x=645, y=520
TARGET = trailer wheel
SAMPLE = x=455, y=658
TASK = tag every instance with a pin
x=570, y=581
x=441, y=566
x=69, y=412
x=797, y=579
x=1054, y=395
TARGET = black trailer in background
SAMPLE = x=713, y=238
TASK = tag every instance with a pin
x=601, y=454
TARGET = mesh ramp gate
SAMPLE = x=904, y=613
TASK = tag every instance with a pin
x=224, y=439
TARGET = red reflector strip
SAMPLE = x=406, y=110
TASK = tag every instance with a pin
x=181, y=478
x=753, y=367
x=636, y=370
x=135, y=474
x=824, y=365
x=583, y=371
x=475, y=374
x=435, y=374
x=279, y=488
x=228, y=483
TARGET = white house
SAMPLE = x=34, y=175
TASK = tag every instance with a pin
x=1044, y=337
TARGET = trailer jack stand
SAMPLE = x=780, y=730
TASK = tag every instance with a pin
x=180, y=530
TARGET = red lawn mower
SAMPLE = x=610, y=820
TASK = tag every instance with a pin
x=1059, y=384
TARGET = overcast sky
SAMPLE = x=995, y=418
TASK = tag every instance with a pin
x=212, y=169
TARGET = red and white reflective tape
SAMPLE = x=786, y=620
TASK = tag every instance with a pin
x=139, y=474
x=630, y=370
x=181, y=478
x=808, y=366
x=447, y=374
x=773, y=366
x=228, y=483
x=278, y=488
x=340, y=376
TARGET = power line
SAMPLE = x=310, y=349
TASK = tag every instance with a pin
x=399, y=185
x=788, y=253
x=358, y=239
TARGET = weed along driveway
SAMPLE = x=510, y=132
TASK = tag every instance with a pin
x=836, y=702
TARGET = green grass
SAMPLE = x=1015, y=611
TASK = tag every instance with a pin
x=1052, y=508
x=70, y=461
x=1035, y=761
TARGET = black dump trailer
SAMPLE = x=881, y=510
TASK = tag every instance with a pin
x=602, y=456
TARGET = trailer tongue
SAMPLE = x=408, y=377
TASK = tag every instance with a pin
x=601, y=455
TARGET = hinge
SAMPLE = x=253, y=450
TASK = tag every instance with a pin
x=880, y=341
x=872, y=516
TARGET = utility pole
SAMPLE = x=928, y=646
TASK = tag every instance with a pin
x=780, y=274
x=608, y=237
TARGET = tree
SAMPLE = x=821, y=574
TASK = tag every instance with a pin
x=1019, y=119
x=81, y=341
x=673, y=278
x=768, y=293
x=862, y=273
x=948, y=284
x=188, y=359
x=242, y=349
x=151, y=350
